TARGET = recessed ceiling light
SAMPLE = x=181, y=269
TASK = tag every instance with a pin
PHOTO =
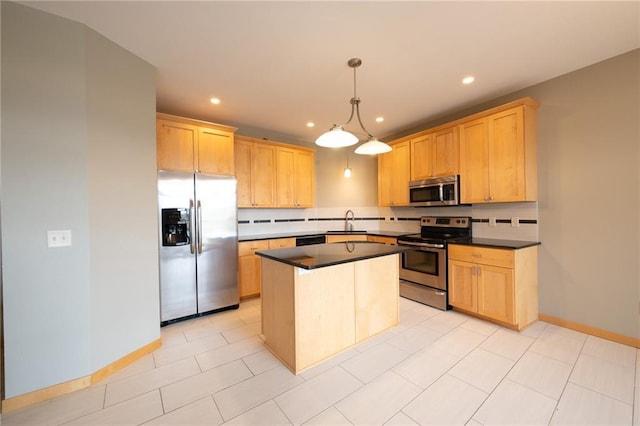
x=310, y=124
x=379, y=119
x=215, y=101
x=468, y=80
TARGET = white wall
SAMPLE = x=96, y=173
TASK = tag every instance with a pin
x=76, y=157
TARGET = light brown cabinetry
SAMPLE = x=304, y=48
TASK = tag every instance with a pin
x=311, y=315
x=394, y=175
x=190, y=145
x=435, y=154
x=383, y=240
x=271, y=174
x=340, y=238
x=498, y=157
x=249, y=273
x=497, y=284
x=255, y=165
x=282, y=243
x=295, y=178
x=249, y=267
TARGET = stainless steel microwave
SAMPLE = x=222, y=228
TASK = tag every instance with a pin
x=438, y=191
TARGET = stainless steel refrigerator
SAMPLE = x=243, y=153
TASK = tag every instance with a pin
x=198, y=244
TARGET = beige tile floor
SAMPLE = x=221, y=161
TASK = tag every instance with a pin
x=434, y=368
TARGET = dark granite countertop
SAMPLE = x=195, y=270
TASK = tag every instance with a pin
x=321, y=255
x=494, y=243
x=318, y=233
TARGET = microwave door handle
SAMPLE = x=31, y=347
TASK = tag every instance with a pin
x=441, y=194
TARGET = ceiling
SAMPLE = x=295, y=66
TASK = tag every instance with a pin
x=278, y=65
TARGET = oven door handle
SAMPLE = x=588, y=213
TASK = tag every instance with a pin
x=425, y=245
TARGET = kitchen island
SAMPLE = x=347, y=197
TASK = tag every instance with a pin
x=322, y=299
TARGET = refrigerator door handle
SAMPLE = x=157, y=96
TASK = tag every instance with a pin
x=191, y=223
x=199, y=230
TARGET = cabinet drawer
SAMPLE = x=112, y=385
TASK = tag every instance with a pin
x=384, y=240
x=486, y=256
x=246, y=248
x=282, y=243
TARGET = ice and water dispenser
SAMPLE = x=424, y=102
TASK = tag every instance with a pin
x=175, y=227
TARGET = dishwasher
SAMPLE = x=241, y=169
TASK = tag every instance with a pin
x=308, y=240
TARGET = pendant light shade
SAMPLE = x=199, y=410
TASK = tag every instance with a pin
x=337, y=137
x=373, y=147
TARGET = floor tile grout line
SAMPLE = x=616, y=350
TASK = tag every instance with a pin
x=505, y=377
x=564, y=388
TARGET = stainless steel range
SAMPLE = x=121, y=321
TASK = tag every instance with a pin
x=423, y=271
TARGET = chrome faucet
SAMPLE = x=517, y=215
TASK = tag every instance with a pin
x=348, y=220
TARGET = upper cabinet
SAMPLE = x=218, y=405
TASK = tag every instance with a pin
x=295, y=177
x=493, y=151
x=272, y=174
x=435, y=154
x=394, y=175
x=255, y=165
x=189, y=145
x=498, y=157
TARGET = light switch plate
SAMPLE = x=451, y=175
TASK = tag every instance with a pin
x=59, y=238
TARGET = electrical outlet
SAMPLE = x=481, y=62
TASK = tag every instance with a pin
x=492, y=221
x=515, y=222
x=59, y=238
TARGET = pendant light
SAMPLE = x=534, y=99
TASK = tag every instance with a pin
x=347, y=170
x=337, y=137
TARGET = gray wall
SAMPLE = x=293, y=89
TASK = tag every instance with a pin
x=589, y=186
x=333, y=190
x=74, y=156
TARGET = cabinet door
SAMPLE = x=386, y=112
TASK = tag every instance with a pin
x=463, y=285
x=474, y=162
x=385, y=173
x=242, y=160
x=421, y=157
x=249, y=275
x=506, y=155
x=304, y=177
x=175, y=146
x=215, y=151
x=445, y=152
x=383, y=240
x=401, y=174
x=344, y=238
x=285, y=188
x=495, y=293
x=263, y=175
x=282, y=243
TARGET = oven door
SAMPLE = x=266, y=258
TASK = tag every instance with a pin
x=424, y=265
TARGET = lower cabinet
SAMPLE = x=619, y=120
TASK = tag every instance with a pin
x=249, y=273
x=383, y=240
x=341, y=238
x=497, y=284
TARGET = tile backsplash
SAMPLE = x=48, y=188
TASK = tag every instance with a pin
x=489, y=220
